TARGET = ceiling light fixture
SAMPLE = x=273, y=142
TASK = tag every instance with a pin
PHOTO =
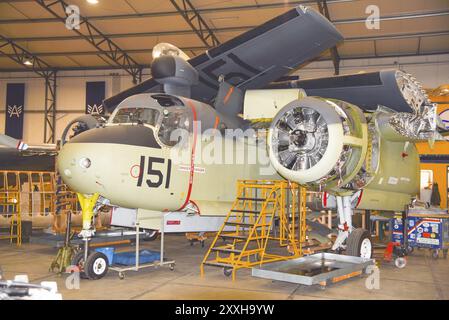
x=28, y=62
x=92, y=1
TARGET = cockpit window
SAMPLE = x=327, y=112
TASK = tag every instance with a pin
x=136, y=115
x=172, y=120
x=167, y=101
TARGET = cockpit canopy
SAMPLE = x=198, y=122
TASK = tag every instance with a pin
x=137, y=115
x=165, y=113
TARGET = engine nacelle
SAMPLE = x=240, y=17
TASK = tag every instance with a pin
x=319, y=142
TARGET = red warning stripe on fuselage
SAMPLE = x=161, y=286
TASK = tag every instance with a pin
x=192, y=157
x=217, y=121
x=228, y=95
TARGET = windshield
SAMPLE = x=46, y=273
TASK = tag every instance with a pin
x=136, y=115
x=171, y=121
x=166, y=100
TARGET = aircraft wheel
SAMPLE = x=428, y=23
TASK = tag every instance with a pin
x=400, y=262
x=78, y=260
x=359, y=244
x=151, y=235
x=121, y=275
x=227, y=272
x=96, y=265
x=435, y=254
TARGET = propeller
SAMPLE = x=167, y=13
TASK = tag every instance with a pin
x=79, y=125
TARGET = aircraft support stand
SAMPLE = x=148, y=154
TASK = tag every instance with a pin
x=137, y=266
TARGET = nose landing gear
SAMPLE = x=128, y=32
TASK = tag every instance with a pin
x=92, y=265
x=96, y=265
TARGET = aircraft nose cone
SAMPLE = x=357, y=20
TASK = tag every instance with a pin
x=77, y=166
x=91, y=156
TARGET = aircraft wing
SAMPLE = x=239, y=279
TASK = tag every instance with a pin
x=257, y=57
x=10, y=142
x=366, y=90
x=13, y=146
x=34, y=159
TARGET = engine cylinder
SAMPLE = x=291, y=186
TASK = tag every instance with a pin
x=321, y=143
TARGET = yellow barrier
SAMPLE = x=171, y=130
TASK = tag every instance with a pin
x=39, y=196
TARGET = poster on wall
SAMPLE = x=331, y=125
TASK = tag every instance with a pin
x=95, y=93
x=15, y=104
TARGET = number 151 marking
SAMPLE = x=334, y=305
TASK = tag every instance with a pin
x=151, y=172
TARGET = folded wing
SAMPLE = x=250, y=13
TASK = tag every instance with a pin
x=255, y=58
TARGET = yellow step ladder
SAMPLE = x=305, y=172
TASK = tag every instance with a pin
x=263, y=211
x=10, y=206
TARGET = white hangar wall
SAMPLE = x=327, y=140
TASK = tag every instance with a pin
x=431, y=71
x=70, y=97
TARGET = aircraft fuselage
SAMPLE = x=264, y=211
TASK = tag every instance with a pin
x=134, y=165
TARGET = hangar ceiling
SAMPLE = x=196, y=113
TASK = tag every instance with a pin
x=130, y=29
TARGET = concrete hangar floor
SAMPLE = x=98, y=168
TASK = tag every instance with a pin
x=422, y=278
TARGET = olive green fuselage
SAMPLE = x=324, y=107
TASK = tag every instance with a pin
x=396, y=181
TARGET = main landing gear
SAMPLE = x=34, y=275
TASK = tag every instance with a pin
x=359, y=244
x=356, y=241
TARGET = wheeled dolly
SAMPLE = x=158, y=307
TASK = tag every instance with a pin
x=196, y=237
x=97, y=264
x=397, y=253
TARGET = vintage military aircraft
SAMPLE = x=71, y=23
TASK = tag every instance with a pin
x=208, y=90
x=350, y=136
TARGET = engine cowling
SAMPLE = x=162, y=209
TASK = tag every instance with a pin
x=320, y=143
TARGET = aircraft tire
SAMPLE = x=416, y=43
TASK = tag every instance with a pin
x=359, y=244
x=96, y=265
x=400, y=262
x=151, y=235
x=227, y=272
x=78, y=260
x=435, y=254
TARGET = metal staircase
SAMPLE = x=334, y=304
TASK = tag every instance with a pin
x=264, y=211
